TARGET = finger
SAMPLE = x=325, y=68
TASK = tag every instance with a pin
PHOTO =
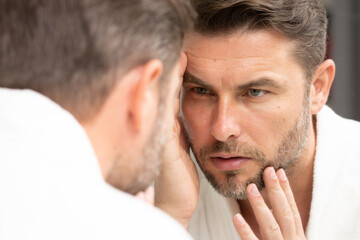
x=140, y=195
x=181, y=70
x=149, y=195
x=182, y=137
x=177, y=104
x=269, y=228
x=284, y=183
x=176, y=127
x=242, y=228
x=183, y=64
x=279, y=203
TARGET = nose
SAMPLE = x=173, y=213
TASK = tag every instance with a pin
x=226, y=125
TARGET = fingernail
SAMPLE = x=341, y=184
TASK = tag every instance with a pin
x=254, y=190
x=239, y=219
x=272, y=174
x=282, y=175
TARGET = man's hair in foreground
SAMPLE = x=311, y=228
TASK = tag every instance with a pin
x=71, y=50
x=303, y=21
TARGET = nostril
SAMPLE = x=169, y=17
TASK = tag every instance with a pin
x=232, y=136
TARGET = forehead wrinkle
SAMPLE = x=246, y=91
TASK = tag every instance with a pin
x=228, y=64
x=223, y=60
x=219, y=59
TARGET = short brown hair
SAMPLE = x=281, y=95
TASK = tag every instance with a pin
x=301, y=20
x=64, y=48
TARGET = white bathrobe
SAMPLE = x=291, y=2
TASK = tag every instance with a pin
x=51, y=186
x=335, y=206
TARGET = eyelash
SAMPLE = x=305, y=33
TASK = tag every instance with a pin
x=198, y=90
x=262, y=92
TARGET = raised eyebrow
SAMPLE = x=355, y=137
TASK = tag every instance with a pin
x=191, y=79
x=260, y=83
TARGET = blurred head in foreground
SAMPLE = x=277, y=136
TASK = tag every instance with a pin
x=113, y=64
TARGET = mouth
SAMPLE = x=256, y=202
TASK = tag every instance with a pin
x=229, y=162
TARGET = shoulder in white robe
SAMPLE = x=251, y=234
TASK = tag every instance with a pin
x=51, y=186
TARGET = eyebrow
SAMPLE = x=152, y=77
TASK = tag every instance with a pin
x=191, y=79
x=262, y=82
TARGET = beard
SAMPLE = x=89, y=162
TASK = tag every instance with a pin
x=151, y=157
x=135, y=175
x=287, y=154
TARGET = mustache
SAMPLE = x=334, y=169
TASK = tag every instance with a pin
x=233, y=147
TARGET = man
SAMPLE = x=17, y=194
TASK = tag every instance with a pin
x=253, y=109
x=87, y=94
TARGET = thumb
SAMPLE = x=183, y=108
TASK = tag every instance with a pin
x=184, y=143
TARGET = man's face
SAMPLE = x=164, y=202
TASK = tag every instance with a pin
x=245, y=106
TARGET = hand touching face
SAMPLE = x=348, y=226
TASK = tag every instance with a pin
x=283, y=221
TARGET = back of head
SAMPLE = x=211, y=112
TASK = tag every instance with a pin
x=68, y=50
x=303, y=21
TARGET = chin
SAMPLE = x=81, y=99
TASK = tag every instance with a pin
x=132, y=180
x=232, y=184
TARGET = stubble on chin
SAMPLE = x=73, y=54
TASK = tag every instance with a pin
x=230, y=186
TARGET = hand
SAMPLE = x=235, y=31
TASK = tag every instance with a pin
x=177, y=187
x=147, y=195
x=283, y=221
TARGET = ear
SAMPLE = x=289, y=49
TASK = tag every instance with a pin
x=321, y=84
x=144, y=98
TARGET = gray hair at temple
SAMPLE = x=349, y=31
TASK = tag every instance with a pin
x=303, y=21
x=71, y=50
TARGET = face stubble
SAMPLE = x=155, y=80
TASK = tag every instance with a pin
x=287, y=154
x=140, y=173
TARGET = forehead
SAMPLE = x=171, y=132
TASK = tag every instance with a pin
x=248, y=50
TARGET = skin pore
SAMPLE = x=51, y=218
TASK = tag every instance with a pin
x=255, y=109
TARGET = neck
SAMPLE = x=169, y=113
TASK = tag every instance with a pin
x=301, y=182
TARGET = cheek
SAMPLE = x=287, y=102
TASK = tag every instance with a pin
x=264, y=129
x=270, y=131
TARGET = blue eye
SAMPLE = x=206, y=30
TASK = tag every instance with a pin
x=201, y=91
x=256, y=92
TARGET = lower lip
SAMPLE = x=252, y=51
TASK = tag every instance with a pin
x=229, y=164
